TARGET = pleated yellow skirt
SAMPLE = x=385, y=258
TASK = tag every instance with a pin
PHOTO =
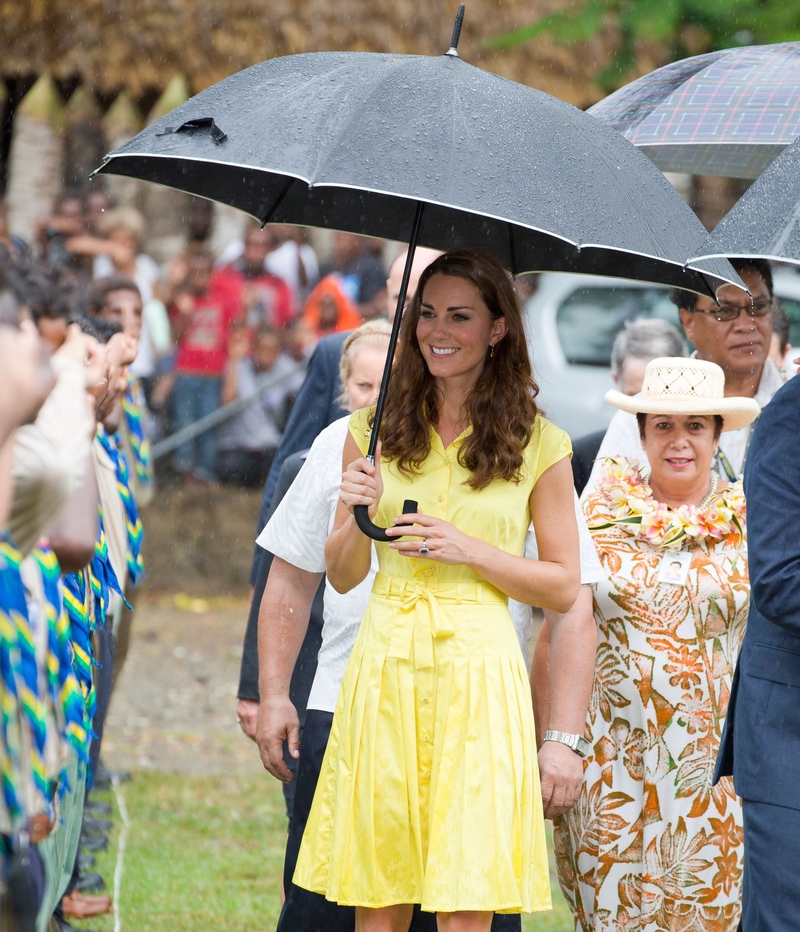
x=429, y=791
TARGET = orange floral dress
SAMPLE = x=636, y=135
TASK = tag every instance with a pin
x=651, y=844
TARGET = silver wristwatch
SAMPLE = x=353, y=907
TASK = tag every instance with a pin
x=576, y=743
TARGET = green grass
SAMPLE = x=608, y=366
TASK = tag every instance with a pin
x=206, y=853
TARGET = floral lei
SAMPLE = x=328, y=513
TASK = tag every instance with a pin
x=627, y=501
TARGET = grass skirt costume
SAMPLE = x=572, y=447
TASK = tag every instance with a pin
x=429, y=790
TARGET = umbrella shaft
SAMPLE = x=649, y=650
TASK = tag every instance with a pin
x=398, y=317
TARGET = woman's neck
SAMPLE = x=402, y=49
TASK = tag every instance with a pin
x=453, y=418
x=675, y=494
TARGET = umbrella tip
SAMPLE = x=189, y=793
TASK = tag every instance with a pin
x=453, y=50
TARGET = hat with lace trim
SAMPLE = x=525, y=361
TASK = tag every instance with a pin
x=687, y=386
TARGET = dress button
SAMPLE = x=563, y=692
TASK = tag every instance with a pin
x=425, y=738
x=441, y=498
x=425, y=701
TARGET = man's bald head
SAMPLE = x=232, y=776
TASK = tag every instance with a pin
x=422, y=259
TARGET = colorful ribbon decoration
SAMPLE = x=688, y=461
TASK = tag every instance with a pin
x=133, y=523
x=65, y=692
x=87, y=610
x=132, y=406
x=11, y=592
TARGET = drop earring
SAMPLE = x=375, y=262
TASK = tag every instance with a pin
x=491, y=351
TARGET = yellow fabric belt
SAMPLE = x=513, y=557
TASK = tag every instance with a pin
x=410, y=626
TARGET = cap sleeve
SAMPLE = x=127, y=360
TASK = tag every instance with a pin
x=359, y=428
x=550, y=444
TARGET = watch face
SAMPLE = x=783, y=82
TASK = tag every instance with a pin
x=583, y=747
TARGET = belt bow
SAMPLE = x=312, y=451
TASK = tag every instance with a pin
x=410, y=627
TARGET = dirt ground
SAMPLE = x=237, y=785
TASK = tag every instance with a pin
x=174, y=707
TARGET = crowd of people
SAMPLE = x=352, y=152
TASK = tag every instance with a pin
x=389, y=685
x=214, y=329
x=76, y=468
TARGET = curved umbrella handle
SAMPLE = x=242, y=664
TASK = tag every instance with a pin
x=361, y=514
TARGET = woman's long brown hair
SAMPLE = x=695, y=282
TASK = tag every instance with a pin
x=501, y=406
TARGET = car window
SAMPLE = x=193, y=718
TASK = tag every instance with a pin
x=792, y=308
x=590, y=318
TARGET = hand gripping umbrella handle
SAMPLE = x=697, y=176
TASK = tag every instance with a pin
x=361, y=513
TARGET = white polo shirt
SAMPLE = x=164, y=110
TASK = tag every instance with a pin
x=297, y=533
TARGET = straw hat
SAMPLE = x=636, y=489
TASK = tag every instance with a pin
x=687, y=386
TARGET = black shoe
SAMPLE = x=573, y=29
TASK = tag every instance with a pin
x=86, y=862
x=97, y=809
x=63, y=926
x=92, y=826
x=90, y=883
x=94, y=842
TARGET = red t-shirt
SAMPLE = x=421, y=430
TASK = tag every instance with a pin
x=203, y=348
x=265, y=299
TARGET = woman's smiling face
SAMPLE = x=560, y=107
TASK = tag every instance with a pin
x=455, y=328
x=680, y=447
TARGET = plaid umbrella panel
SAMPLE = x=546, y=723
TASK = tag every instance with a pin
x=730, y=112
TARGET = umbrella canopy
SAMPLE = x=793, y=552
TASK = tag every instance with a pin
x=730, y=112
x=355, y=141
x=765, y=221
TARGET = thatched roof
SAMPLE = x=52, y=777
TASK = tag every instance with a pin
x=140, y=45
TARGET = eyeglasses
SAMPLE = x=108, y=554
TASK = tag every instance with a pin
x=731, y=311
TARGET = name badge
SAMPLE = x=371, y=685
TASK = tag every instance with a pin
x=674, y=568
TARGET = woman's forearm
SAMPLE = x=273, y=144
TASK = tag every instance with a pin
x=545, y=584
x=348, y=555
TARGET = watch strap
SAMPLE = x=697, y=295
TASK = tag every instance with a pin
x=576, y=743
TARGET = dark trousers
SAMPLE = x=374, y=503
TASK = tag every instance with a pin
x=771, y=883
x=103, y=675
x=304, y=911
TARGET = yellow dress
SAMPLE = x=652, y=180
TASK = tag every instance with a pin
x=429, y=789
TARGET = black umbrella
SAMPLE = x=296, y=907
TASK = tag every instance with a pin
x=765, y=221
x=432, y=151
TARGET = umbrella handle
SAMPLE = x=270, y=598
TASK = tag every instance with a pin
x=361, y=513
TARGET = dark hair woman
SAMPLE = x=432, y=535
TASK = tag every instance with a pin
x=429, y=792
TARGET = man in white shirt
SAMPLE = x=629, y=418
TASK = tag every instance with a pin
x=735, y=334
x=296, y=535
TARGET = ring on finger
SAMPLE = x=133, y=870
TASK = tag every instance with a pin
x=424, y=548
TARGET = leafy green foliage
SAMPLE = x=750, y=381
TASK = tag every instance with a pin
x=682, y=27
